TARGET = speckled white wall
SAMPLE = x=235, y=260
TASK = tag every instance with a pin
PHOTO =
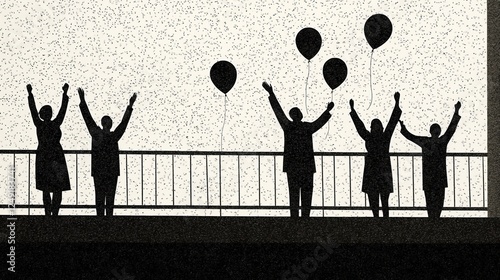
x=435, y=57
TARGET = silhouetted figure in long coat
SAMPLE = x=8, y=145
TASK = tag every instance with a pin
x=377, y=175
x=50, y=165
x=434, y=175
x=298, y=160
x=105, y=154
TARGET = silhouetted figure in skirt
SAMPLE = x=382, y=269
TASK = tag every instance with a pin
x=377, y=175
x=298, y=160
x=50, y=165
x=105, y=154
x=434, y=175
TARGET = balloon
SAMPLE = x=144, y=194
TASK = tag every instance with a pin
x=334, y=72
x=223, y=75
x=378, y=29
x=308, y=42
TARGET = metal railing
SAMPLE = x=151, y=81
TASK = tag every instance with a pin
x=214, y=169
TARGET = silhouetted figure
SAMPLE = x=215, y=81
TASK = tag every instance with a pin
x=434, y=175
x=50, y=166
x=298, y=160
x=377, y=175
x=105, y=154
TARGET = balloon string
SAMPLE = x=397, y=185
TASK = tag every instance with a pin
x=223, y=123
x=371, y=87
x=307, y=80
x=328, y=132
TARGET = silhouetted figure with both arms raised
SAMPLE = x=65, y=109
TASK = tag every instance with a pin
x=298, y=160
x=377, y=175
x=434, y=175
x=105, y=154
x=50, y=166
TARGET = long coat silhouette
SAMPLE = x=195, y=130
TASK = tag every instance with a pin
x=105, y=151
x=50, y=165
x=377, y=174
x=299, y=151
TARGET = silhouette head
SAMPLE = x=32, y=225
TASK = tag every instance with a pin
x=295, y=114
x=46, y=113
x=435, y=130
x=106, y=123
x=377, y=127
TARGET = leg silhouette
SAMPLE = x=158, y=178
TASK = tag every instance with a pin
x=99, y=195
x=384, y=197
x=110, y=194
x=47, y=203
x=294, y=191
x=306, y=194
x=373, y=199
x=56, y=202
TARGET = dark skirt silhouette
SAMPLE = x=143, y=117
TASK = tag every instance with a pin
x=377, y=174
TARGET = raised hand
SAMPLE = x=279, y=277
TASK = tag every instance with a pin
x=268, y=87
x=396, y=96
x=458, y=106
x=351, y=103
x=81, y=93
x=132, y=99
x=29, y=88
x=65, y=88
x=330, y=106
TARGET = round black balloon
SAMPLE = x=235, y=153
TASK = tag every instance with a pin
x=378, y=29
x=334, y=72
x=223, y=75
x=308, y=42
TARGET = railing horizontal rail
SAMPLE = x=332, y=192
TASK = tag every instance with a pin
x=211, y=153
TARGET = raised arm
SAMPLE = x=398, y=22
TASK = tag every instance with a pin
x=323, y=119
x=396, y=114
x=453, y=124
x=32, y=105
x=419, y=140
x=278, y=111
x=64, y=106
x=120, y=129
x=358, y=123
x=87, y=117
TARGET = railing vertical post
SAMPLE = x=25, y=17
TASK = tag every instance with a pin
x=173, y=180
x=190, y=181
x=397, y=175
x=76, y=177
x=322, y=188
x=29, y=184
x=126, y=177
x=239, y=186
x=274, y=180
x=156, y=181
x=454, y=203
x=350, y=187
x=413, y=179
x=142, y=180
x=482, y=175
x=220, y=186
x=206, y=176
x=468, y=175
x=258, y=171
x=334, y=184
